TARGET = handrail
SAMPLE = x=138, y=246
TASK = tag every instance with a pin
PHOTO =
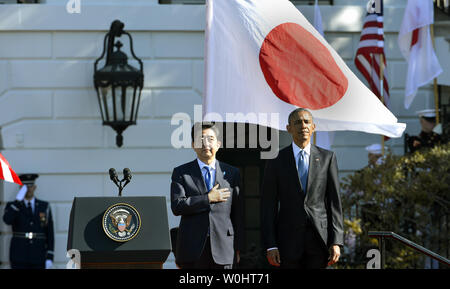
x=387, y=234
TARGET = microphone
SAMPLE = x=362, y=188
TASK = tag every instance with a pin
x=113, y=176
x=126, y=176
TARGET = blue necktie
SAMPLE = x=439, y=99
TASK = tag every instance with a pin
x=303, y=170
x=208, y=178
x=209, y=185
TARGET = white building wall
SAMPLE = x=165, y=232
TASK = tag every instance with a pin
x=49, y=116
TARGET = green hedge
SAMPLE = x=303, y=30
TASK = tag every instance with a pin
x=408, y=195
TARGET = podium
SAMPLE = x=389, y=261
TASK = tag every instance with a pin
x=120, y=232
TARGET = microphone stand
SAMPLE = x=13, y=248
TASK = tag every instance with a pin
x=126, y=179
x=121, y=187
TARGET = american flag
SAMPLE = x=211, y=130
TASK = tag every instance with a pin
x=7, y=173
x=371, y=46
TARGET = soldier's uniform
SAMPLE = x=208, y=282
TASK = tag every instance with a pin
x=33, y=236
x=427, y=138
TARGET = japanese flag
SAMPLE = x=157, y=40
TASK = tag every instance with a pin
x=263, y=57
x=414, y=41
x=7, y=173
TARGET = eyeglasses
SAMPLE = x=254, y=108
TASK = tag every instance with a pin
x=208, y=138
x=205, y=141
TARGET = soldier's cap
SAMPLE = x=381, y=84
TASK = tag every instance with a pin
x=28, y=179
x=427, y=114
x=375, y=149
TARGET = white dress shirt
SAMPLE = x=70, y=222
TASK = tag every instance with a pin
x=297, y=150
x=31, y=202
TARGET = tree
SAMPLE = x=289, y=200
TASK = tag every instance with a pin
x=408, y=195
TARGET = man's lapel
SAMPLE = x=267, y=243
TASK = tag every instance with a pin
x=197, y=177
x=219, y=179
x=292, y=168
x=219, y=176
x=314, y=162
x=36, y=207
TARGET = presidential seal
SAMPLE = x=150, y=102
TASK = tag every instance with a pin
x=121, y=222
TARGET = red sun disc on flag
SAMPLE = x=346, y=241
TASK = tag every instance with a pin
x=299, y=69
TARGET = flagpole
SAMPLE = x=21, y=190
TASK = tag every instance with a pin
x=382, y=93
x=318, y=27
x=435, y=87
x=381, y=90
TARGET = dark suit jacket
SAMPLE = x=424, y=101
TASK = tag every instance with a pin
x=23, y=250
x=286, y=208
x=189, y=198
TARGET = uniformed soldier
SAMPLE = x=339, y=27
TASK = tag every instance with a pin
x=32, y=225
x=375, y=158
x=427, y=138
x=375, y=154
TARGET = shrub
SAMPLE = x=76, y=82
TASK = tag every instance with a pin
x=408, y=195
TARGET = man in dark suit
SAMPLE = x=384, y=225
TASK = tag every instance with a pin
x=302, y=219
x=32, y=225
x=206, y=193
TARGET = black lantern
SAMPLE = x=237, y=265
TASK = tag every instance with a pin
x=118, y=84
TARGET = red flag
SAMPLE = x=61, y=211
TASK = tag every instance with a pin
x=7, y=173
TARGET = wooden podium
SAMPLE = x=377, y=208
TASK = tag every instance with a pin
x=96, y=223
